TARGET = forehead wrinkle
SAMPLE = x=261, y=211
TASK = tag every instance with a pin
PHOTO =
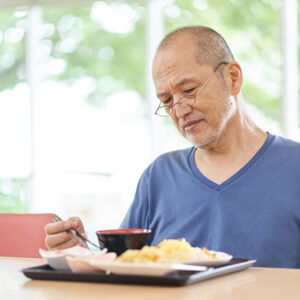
x=185, y=80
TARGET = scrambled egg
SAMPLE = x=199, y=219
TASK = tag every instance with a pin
x=167, y=251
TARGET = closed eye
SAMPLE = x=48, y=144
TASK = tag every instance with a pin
x=167, y=102
x=188, y=91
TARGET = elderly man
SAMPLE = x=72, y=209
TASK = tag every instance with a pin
x=237, y=189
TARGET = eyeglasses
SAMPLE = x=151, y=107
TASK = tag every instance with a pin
x=164, y=110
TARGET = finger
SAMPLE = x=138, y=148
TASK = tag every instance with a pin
x=53, y=240
x=74, y=223
x=52, y=228
x=71, y=223
x=68, y=244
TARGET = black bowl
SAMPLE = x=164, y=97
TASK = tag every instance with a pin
x=120, y=240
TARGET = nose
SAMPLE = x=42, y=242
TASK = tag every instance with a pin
x=182, y=109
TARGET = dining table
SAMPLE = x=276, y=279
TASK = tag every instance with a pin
x=252, y=283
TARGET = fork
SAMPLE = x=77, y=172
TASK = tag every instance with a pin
x=79, y=237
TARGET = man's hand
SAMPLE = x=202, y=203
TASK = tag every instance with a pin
x=56, y=236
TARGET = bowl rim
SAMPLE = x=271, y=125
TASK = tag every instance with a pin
x=124, y=231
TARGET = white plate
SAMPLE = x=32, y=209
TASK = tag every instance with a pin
x=221, y=258
x=144, y=269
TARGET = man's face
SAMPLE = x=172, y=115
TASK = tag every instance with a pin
x=176, y=73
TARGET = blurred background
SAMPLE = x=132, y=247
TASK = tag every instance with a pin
x=77, y=123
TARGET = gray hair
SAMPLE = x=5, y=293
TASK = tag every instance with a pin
x=211, y=47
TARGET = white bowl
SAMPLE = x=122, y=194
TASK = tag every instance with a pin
x=57, y=258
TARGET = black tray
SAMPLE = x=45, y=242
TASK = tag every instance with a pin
x=178, y=278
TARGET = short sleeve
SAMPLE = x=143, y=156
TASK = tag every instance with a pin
x=138, y=213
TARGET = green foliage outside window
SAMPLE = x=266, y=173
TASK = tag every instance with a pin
x=12, y=47
x=114, y=60
x=13, y=191
x=14, y=195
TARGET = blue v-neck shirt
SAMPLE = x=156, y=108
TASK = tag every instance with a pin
x=254, y=214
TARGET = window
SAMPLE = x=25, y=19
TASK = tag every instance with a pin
x=76, y=125
x=14, y=112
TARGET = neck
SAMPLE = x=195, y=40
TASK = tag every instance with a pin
x=238, y=142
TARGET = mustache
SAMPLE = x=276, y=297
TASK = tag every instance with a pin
x=184, y=122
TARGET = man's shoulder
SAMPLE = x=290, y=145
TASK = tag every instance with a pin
x=285, y=152
x=174, y=156
x=172, y=160
x=286, y=144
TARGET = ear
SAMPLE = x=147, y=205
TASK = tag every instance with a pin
x=234, y=77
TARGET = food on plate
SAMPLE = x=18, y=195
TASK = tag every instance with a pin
x=167, y=251
x=144, y=261
x=83, y=264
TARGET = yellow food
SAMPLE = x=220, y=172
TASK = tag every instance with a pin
x=167, y=251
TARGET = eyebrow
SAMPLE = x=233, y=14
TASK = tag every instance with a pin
x=177, y=85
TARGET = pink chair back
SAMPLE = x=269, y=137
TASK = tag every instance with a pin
x=22, y=235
